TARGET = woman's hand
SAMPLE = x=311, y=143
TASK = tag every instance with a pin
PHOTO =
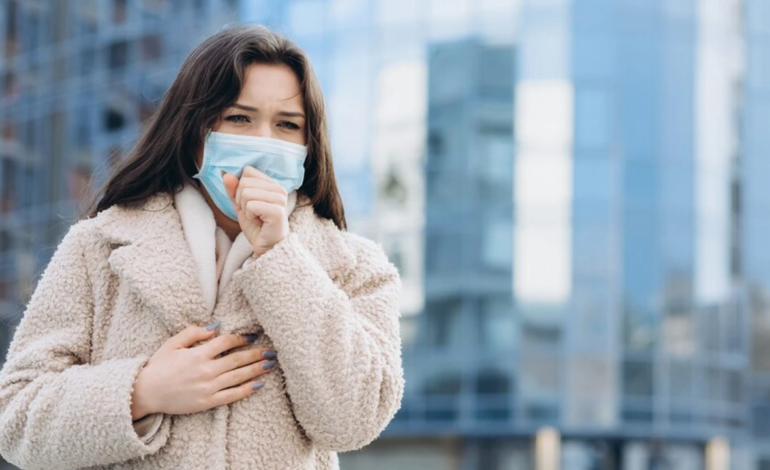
x=260, y=203
x=181, y=378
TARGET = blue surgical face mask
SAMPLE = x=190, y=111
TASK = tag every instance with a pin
x=280, y=160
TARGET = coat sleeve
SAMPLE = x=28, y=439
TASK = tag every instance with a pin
x=339, y=348
x=58, y=411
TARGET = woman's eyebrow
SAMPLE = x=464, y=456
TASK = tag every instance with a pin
x=294, y=114
x=245, y=108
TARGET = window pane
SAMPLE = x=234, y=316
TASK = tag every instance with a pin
x=637, y=379
x=443, y=322
x=497, y=327
x=497, y=245
x=496, y=172
x=539, y=375
x=593, y=120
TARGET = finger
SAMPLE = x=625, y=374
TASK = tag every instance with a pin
x=242, y=374
x=264, y=210
x=238, y=359
x=231, y=184
x=260, y=194
x=252, y=172
x=230, y=395
x=270, y=185
x=255, y=183
x=190, y=335
x=223, y=343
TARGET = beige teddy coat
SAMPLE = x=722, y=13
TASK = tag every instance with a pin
x=122, y=283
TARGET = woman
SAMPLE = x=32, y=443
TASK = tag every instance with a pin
x=212, y=312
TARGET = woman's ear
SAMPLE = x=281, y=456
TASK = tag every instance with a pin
x=215, y=124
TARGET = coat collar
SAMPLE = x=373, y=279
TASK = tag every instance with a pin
x=152, y=256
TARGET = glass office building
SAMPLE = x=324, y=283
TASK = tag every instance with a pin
x=78, y=78
x=753, y=255
x=587, y=222
x=573, y=191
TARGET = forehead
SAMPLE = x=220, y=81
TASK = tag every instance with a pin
x=270, y=84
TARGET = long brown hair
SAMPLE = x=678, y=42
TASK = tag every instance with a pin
x=210, y=81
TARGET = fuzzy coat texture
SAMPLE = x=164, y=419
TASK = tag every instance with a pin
x=122, y=283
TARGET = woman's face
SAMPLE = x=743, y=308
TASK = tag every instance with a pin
x=270, y=105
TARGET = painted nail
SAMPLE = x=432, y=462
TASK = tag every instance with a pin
x=251, y=337
x=213, y=326
x=268, y=365
x=269, y=354
x=258, y=385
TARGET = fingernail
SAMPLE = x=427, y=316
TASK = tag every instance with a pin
x=268, y=365
x=258, y=385
x=213, y=326
x=269, y=354
x=251, y=337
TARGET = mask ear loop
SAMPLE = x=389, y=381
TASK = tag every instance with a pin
x=205, y=138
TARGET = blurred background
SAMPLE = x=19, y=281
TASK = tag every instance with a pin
x=576, y=194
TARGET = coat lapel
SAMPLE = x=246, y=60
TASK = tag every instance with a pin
x=151, y=255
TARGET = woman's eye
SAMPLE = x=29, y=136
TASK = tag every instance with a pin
x=237, y=118
x=289, y=125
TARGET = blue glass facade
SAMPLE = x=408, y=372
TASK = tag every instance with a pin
x=77, y=79
x=583, y=228
x=754, y=204
x=573, y=191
